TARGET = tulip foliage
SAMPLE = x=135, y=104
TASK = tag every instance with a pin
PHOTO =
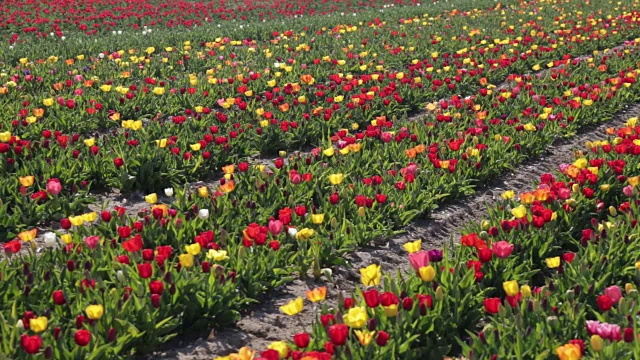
x=369, y=118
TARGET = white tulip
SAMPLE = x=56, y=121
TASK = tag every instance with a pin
x=292, y=232
x=168, y=191
x=50, y=239
x=203, y=214
x=120, y=276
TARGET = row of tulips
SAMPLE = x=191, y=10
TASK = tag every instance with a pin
x=146, y=126
x=551, y=273
x=127, y=283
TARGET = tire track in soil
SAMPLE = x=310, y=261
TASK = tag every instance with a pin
x=264, y=323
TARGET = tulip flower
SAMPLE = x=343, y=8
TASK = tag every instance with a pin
x=413, y=246
x=338, y=334
x=186, y=260
x=569, y=352
x=502, y=249
x=336, y=179
x=293, y=307
x=427, y=273
x=511, y=287
x=94, y=312
x=317, y=294
x=419, y=259
x=597, y=343
x=356, y=317
x=54, y=187
x=553, y=262
x=280, y=347
x=38, y=324
x=151, y=198
x=364, y=337
x=370, y=275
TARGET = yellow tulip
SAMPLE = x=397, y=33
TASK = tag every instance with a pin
x=364, y=337
x=305, y=234
x=370, y=275
x=509, y=194
x=293, y=307
x=597, y=343
x=158, y=90
x=356, y=317
x=526, y=291
x=511, y=287
x=195, y=147
x=327, y=152
x=217, y=255
x=336, y=179
x=413, y=246
x=94, y=312
x=427, y=273
x=391, y=310
x=553, y=262
x=28, y=235
x=76, y=220
x=90, y=142
x=47, y=102
x=203, y=191
x=27, y=181
x=66, y=239
x=186, y=260
x=519, y=212
x=5, y=136
x=151, y=198
x=38, y=324
x=193, y=249
x=317, y=218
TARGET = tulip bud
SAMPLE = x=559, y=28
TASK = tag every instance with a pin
x=439, y=293
x=552, y=321
x=575, y=188
x=120, y=276
x=571, y=295
x=485, y=224
x=361, y=211
x=597, y=343
x=484, y=235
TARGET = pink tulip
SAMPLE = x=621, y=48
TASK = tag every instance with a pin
x=628, y=190
x=614, y=293
x=54, y=187
x=275, y=227
x=419, y=259
x=92, y=241
x=502, y=249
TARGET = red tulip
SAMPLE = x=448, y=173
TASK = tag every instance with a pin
x=82, y=337
x=156, y=287
x=605, y=302
x=301, y=340
x=382, y=338
x=371, y=298
x=491, y=305
x=58, y=297
x=134, y=244
x=30, y=344
x=145, y=270
x=338, y=334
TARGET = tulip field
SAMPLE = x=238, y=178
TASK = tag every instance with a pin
x=173, y=168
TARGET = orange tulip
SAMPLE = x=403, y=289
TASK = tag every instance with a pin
x=228, y=186
x=317, y=295
x=28, y=235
